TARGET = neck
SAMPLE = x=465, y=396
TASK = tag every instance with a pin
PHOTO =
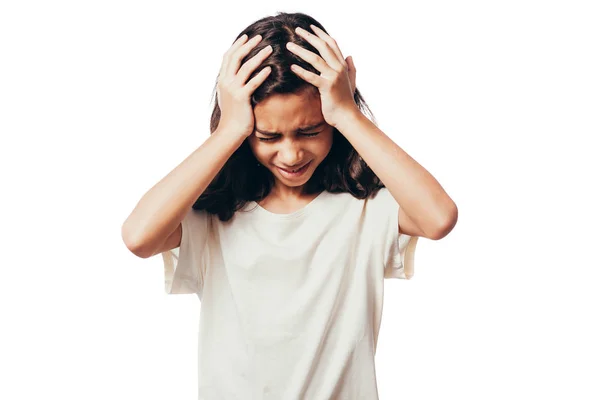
x=283, y=192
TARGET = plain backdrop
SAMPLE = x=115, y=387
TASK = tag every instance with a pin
x=499, y=100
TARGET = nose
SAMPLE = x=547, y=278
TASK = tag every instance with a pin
x=291, y=154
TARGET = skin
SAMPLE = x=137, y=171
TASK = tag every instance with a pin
x=288, y=147
x=329, y=101
x=425, y=209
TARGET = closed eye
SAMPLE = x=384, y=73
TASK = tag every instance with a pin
x=277, y=137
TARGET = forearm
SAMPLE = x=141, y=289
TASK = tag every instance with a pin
x=163, y=207
x=417, y=192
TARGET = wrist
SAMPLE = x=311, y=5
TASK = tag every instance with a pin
x=349, y=118
x=235, y=134
x=230, y=138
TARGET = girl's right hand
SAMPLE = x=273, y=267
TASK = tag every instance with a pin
x=233, y=93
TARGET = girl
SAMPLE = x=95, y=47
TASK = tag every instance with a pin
x=287, y=219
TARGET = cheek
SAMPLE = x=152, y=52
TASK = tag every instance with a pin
x=259, y=150
x=322, y=148
x=325, y=145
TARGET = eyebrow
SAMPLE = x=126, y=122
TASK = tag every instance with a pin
x=301, y=129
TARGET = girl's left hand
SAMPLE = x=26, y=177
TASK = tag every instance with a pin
x=337, y=81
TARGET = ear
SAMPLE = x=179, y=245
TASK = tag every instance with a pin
x=351, y=72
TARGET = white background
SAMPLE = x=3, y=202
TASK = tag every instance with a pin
x=498, y=100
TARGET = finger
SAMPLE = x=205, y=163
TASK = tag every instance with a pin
x=308, y=76
x=351, y=72
x=309, y=57
x=330, y=42
x=253, y=63
x=326, y=52
x=257, y=80
x=236, y=45
x=236, y=57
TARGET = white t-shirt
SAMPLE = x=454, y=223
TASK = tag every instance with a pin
x=291, y=304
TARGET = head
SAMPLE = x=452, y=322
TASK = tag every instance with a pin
x=291, y=138
x=290, y=132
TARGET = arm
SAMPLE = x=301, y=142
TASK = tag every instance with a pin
x=425, y=208
x=160, y=211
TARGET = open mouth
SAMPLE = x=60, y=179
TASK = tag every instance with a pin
x=295, y=172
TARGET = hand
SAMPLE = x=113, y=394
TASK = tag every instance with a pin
x=233, y=93
x=337, y=81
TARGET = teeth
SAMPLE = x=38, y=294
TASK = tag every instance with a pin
x=295, y=170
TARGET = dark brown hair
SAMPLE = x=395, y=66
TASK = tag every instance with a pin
x=241, y=179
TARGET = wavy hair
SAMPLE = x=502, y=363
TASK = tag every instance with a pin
x=241, y=180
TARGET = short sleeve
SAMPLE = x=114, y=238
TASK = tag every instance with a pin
x=401, y=259
x=399, y=248
x=184, y=266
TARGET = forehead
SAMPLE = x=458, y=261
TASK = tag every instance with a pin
x=281, y=112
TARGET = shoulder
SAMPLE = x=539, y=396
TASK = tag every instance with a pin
x=196, y=220
x=381, y=204
x=380, y=195
x=378, y=202
x=197, y=215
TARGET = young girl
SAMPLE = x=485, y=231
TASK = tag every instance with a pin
x=286, y=221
